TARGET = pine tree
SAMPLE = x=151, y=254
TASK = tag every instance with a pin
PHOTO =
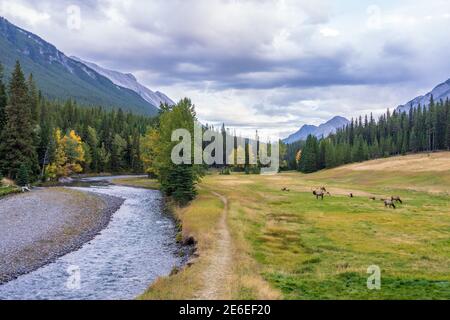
x=182, y=184
x=447, y=136
x=23, y=176
x=310, y=156
x=118, y=149
x=3, y=101
x=34, y=100
x=330, y=156
x=92, y=141
x=17, y=140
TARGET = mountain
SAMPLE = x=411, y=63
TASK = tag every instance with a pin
x=324, y=130
x=60, y=77
x=442, y=91
x=129, y=81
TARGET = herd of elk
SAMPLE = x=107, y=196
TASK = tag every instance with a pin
x=388, y=203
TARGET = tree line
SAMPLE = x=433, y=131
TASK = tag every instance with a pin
x=422, y=129
x=41, y=139
x=47, y=140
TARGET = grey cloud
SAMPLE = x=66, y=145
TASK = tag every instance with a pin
x=254, y=47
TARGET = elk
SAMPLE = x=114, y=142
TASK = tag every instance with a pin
x=320, y=193
x=285, y=190
x=351, y=195
x=372, y=198
x=396, y=199
x=389, y=204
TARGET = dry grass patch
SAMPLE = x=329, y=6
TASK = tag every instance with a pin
x=198, y=220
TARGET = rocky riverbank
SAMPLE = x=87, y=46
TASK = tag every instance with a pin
x=38, y=227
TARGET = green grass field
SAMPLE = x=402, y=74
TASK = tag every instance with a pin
x=288, y=245
x=313, y=249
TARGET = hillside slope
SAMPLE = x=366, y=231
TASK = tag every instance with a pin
x=129, y=81
x=60, y=77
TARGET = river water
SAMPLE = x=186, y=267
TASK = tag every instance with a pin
x=136, y=248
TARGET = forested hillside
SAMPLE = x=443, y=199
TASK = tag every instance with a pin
x=60, y=77
x=425, y=128
x=48, y=140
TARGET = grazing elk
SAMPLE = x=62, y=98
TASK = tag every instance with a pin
x=285, y=190
x=396, y=199
x=372, y=198
x=389, y=204
x=320, y=193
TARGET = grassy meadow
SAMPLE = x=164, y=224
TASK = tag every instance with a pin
x=140, y=182
x=288, y=245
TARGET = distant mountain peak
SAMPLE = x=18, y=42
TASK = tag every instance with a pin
x=338, y=118
x=440, y=92
x=129, y=81
x=322, y=131
x=60, y=77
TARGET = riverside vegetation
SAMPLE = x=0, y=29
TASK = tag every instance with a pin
x=47, y=140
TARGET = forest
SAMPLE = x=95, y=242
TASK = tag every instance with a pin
x=422, y=129
x=47, y=140
x=42, y=139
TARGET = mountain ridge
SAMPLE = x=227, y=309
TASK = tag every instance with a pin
x=129, y=81
x=323, y=130
x=440, y=92
x=61, y=78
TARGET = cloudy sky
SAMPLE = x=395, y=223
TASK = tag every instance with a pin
x=258, y=64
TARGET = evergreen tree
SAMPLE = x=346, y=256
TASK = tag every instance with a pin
x=23, y=176
x=118, y=149
x=3, y=101
x=447, y=108
x=93, y=143
x=310, y=156
x=16, y=143
x=181, y=178
x=33, y=95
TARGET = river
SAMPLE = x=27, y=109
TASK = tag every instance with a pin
x=136, y=248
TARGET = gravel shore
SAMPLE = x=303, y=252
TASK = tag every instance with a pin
x=38, y=227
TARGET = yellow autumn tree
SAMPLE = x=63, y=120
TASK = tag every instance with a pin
x=149, y=150
x=298, y=157
x=68, y=157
